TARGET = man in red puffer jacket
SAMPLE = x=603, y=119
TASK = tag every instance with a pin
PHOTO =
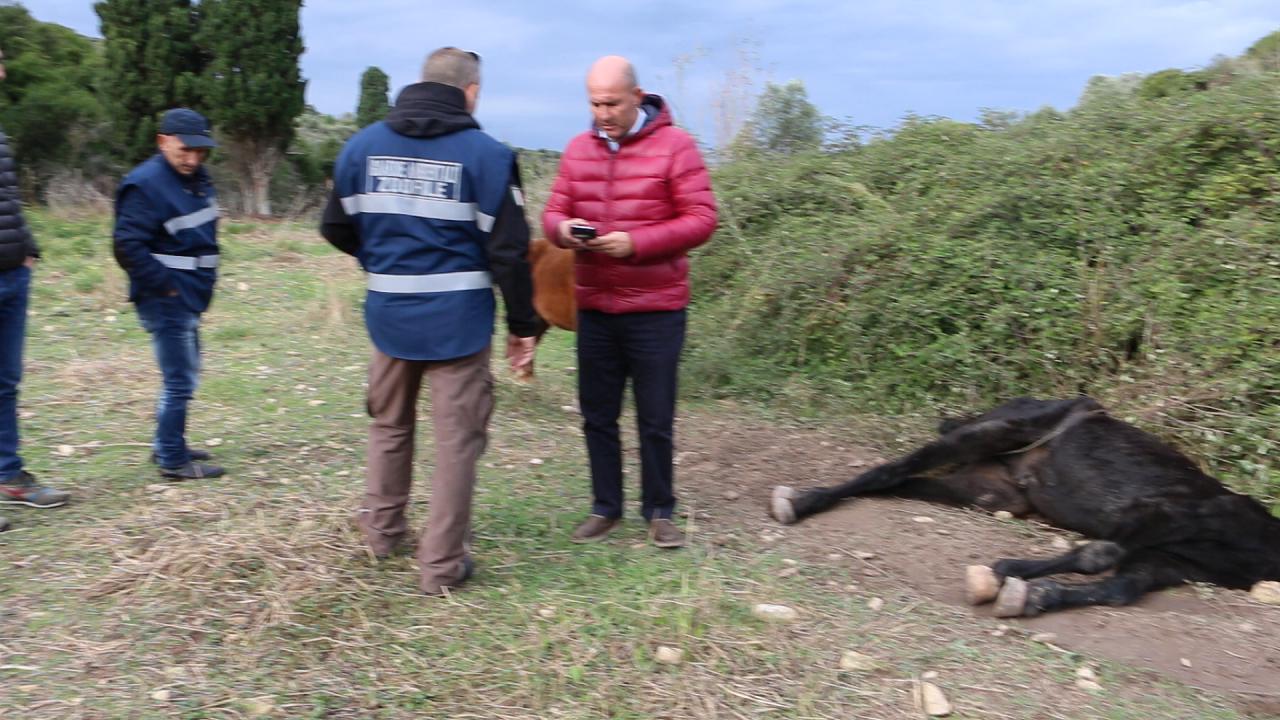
x=632, y=197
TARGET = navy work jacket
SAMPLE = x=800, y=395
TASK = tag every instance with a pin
x=166, y=233
x=416, y=199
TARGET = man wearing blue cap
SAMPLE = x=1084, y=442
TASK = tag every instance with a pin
x=166, y=240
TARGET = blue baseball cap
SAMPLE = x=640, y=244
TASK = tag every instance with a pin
x=191, y=127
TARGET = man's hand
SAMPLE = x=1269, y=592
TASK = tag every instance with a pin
x=615, y=244
x=520, y=354
x=568, y=240
x=30, y=262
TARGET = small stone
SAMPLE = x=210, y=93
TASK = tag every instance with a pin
x=317, y=403
x=789, y=572
x=1089, y=685
x=161, y=695
x=941, y=531
x=834, y=557
x=259, y=707
x=1045, y=637
x=1086, y=673
x=65, y=450
x=1061, y=544
x=923, y=519
x=569, y=408
x=854, y=661
x=732, y=495
x=535, y=461
x=789, y=562
x=775, y=613
x=864, y=555
x=875, y=604
x=1003, y=515
x=1185, y=662
x=242, y=286
x=158, y=487
x=546, y=613
x=931, y=675
x=668, y=655
x=1267, y=591
x=932, y=701
x=214, y=442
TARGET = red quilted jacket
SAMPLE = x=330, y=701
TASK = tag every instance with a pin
x=656, y=188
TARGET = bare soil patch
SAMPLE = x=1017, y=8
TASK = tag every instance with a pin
x=1206, y=638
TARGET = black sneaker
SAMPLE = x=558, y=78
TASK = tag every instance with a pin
x=195, y=453
x=22, y=489
x=192, y=471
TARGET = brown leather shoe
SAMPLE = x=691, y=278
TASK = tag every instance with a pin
x=665, y=534
x=594, y=528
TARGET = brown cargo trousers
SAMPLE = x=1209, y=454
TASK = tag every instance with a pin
x=461, y=393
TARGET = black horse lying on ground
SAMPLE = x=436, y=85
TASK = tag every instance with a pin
x=1157, y=519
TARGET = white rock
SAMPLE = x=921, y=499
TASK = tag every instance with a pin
x=923, y=519
x=1061, y=544
x=1267, y=591
x=668, y=655
x=932, y=701
x=215, y=442
x=1003, y=515
x=854, y=661
x=158, y=487
x=788, y=572
x=732, y=495
x=535, y=461
x=931, y=675
x=1046, y=637
x=546, y=612
x=161, y=695
x=789, y=562
x=864, y=555
x=1086, y=673
x=775, y=613
x=875, y=604
x=1089, y=685
x=1185, y=662
x=65, y=450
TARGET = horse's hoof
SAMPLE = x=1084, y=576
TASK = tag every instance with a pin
x=1012, y=600
x=783, y=510
x=981, y=584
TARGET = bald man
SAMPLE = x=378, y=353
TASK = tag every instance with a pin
x=632, y=198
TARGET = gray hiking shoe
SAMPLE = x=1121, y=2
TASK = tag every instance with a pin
x=192, y=471
x=22, y=489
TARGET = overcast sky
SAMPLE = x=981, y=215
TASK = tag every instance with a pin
x=869, y=63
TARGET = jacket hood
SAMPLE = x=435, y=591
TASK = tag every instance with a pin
x=656, y=113
x=429, y=109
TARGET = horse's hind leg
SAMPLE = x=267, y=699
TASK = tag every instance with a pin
x=983, y=583
x=1129, y=584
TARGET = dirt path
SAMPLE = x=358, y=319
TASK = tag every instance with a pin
x=1208, y=638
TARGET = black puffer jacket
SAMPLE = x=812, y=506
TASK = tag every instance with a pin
x=16, y=242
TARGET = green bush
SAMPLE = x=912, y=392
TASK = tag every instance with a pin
x=1126, y=248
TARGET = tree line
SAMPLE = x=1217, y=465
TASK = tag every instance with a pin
x=78, y=105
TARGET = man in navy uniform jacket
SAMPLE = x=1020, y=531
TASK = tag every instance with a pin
x=432, y=208
x=18, y=253
x=166, y=240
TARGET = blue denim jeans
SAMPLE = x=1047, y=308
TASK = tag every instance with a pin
x=15, y=287
x=175, y=337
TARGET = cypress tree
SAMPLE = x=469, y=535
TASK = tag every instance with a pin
x=373, y=97
x=151, y=64
x=252, y=87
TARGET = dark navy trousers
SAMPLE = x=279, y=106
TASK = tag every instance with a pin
x=646, y=348
x=15, y=288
